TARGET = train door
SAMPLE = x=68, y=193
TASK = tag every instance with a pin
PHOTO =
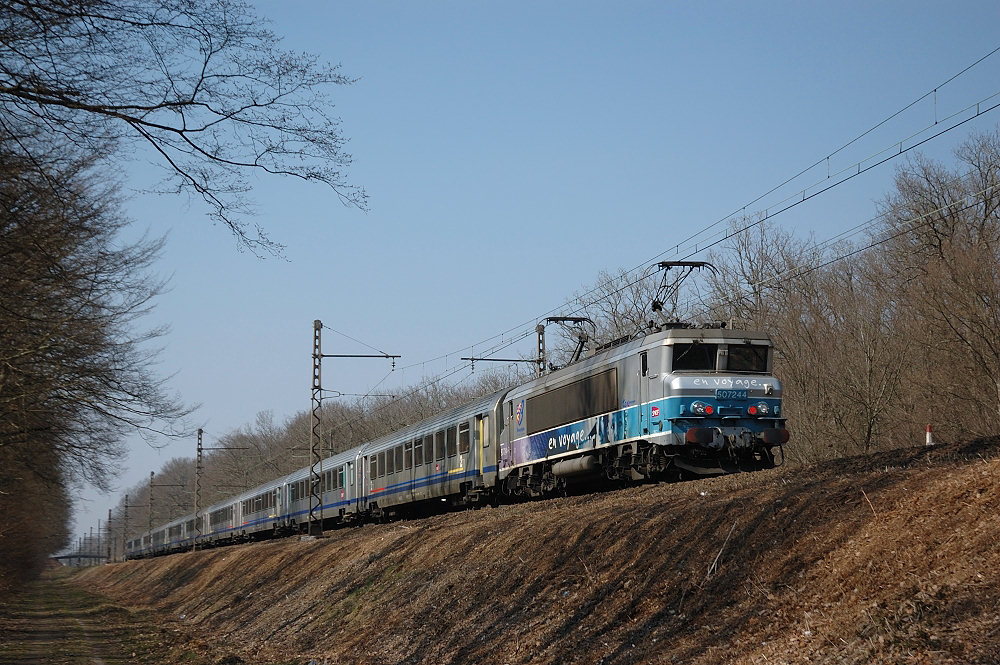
x=360, y=488
x=350, y=487
x=480, y=446
x=440, y=485
x=408, y=470
x=279, y=504
x=643, y=393
x=367, y=475
x=465, y=455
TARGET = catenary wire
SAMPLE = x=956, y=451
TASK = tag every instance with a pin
x=799, y=198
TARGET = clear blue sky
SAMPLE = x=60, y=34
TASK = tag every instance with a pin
x=511, y=151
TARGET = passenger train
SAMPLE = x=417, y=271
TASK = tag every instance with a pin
x=675, y=402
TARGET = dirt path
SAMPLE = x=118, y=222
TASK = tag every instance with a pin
x=56, y=622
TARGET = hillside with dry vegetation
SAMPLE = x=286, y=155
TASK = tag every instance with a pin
x=889, y=558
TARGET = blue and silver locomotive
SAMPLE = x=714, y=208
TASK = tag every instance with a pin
x=683, y=400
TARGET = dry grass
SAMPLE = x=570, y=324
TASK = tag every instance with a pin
x=891, y=558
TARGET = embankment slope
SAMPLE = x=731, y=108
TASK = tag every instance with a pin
x=890, y=558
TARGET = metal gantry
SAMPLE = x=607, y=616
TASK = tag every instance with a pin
x=199, y=467
x=197, y=494
x=539, y=360
x=315, y=444
x=315, y=458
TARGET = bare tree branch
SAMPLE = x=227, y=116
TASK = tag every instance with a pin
x=201, y=83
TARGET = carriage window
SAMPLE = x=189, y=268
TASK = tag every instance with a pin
x=452, y=441
x=463, y=438
x=694, y=356
x=408, y=455
x=373, y=473
x=390, y=462
x=747, y=358
x=381, y=464
x=418, y=452
x=439, y=445
x=399, y=458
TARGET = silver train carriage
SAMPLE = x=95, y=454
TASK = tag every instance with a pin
x=677, y=402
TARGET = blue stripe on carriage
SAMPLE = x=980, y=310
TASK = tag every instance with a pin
x=427, y=481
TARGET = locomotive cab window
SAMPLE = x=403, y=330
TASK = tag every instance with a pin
x=747, y=358
x=695, y=357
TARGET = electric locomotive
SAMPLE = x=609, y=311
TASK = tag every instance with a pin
x=676, y=402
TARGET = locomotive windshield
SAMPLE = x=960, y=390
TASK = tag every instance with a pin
x=747, y=358
x=700, y=357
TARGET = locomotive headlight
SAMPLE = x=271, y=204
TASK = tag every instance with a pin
x=762, y=409
x=702, y=409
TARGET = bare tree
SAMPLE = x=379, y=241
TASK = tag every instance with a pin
x=75, y=372
x=750, y=283
x=254, y=454
x=619, y=305
x=200, y=82
x=34, y=514
x=943, y=227
x=840, y=351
